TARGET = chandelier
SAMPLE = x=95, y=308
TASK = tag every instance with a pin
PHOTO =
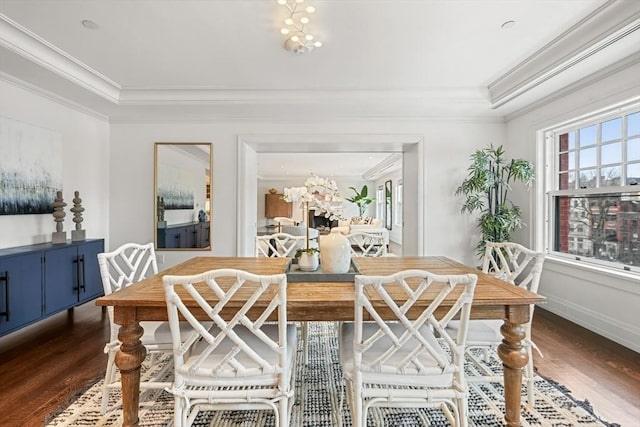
x=299, y=40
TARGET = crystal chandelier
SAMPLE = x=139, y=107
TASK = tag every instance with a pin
x=299, y=40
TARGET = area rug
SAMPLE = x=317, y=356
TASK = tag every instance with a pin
x=318, y=391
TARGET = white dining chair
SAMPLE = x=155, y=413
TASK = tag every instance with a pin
x=126, y=265
x=242, y=363
x=395, y=361
x=519, y=266
x=278, y=245
x=367, y=244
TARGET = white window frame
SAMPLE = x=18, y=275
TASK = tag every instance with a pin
x=380, y=202
x=551, y=182
x=397, y=215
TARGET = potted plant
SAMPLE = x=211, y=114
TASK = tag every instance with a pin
x=486, y=189
x=361, y=199
x=308, y=259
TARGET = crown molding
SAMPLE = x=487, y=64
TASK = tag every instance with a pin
x=612, y=22
x=37, y=90
x=205, y=95
x=23, y=42
x=389, y=164
x=623, y=64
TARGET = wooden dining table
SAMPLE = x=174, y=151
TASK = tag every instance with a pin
x=322, y=301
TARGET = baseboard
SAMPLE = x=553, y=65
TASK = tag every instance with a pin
x=621, y=333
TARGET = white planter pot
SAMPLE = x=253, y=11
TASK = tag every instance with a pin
x=308, y=262
x=335, y=251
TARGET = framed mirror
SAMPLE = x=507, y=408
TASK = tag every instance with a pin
x=388, y=220
x=182, y=195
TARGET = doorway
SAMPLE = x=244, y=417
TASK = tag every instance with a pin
x=411, y=147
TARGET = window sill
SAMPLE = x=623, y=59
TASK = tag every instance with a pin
x=621, y=280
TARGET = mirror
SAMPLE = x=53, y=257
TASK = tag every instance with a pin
x=388, y=204
x=182, y=196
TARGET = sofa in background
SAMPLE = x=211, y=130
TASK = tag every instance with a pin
x=365, y=224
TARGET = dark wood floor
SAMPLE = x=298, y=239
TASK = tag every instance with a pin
x=43, y=366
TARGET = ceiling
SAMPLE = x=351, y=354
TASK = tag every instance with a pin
x=151, y=60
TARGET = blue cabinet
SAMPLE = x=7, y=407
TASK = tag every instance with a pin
x=20, y=291
x=39, y=280
x=184, y=236
x=59, y=279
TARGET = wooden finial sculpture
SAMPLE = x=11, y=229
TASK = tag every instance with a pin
x=78, y=234
x=160, y=212
x=59, y=236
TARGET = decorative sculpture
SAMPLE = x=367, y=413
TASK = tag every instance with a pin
x=78, y=234
x=160, y=211
x=59, y=236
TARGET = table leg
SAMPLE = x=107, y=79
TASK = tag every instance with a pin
x=514, y=358
x=129, y=359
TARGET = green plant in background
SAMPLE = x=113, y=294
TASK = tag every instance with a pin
x=486, y=189
x=361, y=199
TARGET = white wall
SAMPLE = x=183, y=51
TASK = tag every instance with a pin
x=602, y=302
x=132, y=150
x=85, y=164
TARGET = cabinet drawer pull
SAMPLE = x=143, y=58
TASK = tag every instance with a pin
x=76, y=261
x=83, y=287
x=5, y=280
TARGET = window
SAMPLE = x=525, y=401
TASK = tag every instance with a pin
x=380, y=202
x=397, y=215
x=594, y=190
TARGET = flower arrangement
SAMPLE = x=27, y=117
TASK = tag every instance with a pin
x=321, y=194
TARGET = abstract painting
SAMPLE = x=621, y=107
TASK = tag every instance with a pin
x=176, y=186
x=30, y=168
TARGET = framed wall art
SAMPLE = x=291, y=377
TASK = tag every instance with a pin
x=30, y=168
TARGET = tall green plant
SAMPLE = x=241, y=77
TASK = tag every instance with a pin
x=361, y=199
x=486, y=189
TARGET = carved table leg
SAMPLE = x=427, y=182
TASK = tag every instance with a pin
x=514, y=357
x=128, y=360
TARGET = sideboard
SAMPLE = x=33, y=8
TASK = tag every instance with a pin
x=39, y=280
x=187, y=235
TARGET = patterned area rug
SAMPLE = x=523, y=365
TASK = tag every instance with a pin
x=318, y=392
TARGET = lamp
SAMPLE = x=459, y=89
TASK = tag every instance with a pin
x=298, y=38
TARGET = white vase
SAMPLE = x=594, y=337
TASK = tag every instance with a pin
x=308, y=262
x=335, y=252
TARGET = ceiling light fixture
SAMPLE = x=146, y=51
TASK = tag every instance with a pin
x=299, y=40
x=89, y=24
x=507, y=24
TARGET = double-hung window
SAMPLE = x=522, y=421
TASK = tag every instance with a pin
x=397, y=215
x=380, y=202
x=594, y=190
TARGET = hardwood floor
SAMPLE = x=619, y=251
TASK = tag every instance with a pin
x=43, y=366
x=592, y=367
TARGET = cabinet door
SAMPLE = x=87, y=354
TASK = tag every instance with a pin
x=90, y=280
x=275, y=206
x=176, y=237
x=20, y=291
x=61, y=284
x=203, y=234
x=192, y=236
